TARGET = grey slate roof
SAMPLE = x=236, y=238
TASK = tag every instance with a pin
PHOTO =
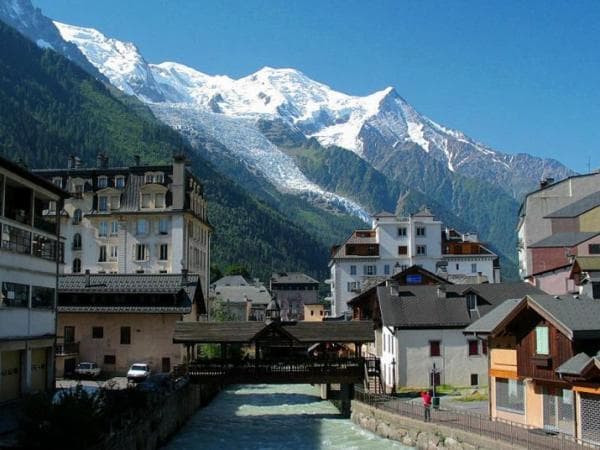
x=577, y=364
x=492, y=319
x=422, y=307
x=304, y=332
x=129, y=284
x=231, y=280
x=291, y=277
x=565, y=239
x=581, y=316
x=577, y=208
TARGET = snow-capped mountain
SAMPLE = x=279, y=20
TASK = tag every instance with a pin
x=30, y=22
x=376, y=127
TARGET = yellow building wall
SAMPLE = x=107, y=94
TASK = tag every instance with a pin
x=503, y=359
x=314, y=313
x=590, y=221
x=151, y=339
x=533, y=405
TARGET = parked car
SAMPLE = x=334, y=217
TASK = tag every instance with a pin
x=138, y=372
x=87, y=369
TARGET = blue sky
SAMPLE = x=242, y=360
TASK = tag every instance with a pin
x=520, y=76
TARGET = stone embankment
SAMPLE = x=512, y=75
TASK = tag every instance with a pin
x=419, y=434
x=159, y=423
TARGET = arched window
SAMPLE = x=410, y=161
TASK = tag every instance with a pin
x=76, y=265
x=77, y=241
x=77, y=216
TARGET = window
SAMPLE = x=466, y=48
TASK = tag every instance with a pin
x=473, y=348
x=159, y=201
x=103, y=229
x=103, y=203
x=484, y=347
x=472, y=302
x=15, y=295
x=159, y=178
x=386, y=269
x=457, y=266
x=370, y=270
x=77, y=241
x=114, y=228
x=510, y=395
x=163, y=225
x=77, y=216
x=434, y=348
x=164, y=252
x=474, y=379
x=594, y=249
x=142, y=226
x=542, y=344
x=141, y=252
x=115, y=201
x=97, y=332
x=125, y=335
x=352, y=270
x=42, y=297
x=421, y=250
x=114, y=252
x=474, y=268
x=149, y=178
x=421, y=231
x=76, y=265
x=353, y=286
x=102, y=254
x=146, y=200
x=120, y=182
x=402, y=250
x=110, y=359
x=401, y=231
x=102, y=182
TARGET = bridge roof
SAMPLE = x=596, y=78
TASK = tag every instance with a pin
x=246, y=332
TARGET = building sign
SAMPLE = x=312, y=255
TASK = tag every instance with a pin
x=414, y=279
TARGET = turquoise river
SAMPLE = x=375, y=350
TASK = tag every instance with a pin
x=273, y=417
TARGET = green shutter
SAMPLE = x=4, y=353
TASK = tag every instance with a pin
x=542, y=346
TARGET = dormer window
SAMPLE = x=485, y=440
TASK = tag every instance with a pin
x=146, y=200
x=149, y=178
x=120, y=182
x=472, y=302
x=159, y=178
x=159, y=201
x=102, y=182
x=103, y=203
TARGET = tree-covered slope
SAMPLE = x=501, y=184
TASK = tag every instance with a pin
x=50, y=108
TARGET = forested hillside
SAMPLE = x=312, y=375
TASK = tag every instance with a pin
x=50, y=108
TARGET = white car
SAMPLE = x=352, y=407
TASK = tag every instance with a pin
x=87, y=369
x=138, y=372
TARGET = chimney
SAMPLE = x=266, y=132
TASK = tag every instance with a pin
x=546, y=182
x=71, y=162
x=178, y=187
x=77, y=162
x=184, y=277
x=88, y=278
x=136, y=160
x=441, y=291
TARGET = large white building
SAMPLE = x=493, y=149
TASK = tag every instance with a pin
x=395, y=243
x=30, y=257
x=137, y=219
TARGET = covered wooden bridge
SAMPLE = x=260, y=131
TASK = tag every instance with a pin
x=277, y=352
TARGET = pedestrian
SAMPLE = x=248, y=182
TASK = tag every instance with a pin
x=426, y=397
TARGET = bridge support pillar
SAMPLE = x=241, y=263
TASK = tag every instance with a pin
x=325, y=391
x=346, y=394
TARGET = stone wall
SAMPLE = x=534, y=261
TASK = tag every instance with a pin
x=161, y=422
x=415, y=433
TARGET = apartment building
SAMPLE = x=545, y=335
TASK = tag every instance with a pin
x=31, y=253
x=394, y=244
x=138, y=219
x=293, y=290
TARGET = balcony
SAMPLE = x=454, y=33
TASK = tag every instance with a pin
x=67, y=348
x=21, y=240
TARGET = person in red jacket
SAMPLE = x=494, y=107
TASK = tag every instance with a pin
x=426, y=397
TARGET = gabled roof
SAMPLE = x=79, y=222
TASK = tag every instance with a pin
x=579, y=364
x=575, y=316
x=230, y=280
x=587, y=263
x=424, y=307
x=565, y=239
x=384, y=214
x=423, y=212
x=129, y=283
x=577, y=208
x=245, y=332
x=292, y=277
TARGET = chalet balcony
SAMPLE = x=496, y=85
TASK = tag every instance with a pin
x=67, y=348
